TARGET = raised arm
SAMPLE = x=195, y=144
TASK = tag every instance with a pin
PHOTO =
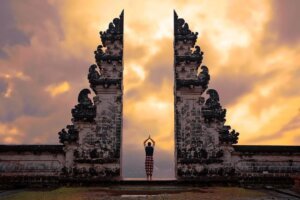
x=152, y=141
x=146, y=140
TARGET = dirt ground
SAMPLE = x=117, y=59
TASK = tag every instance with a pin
x=149, y=192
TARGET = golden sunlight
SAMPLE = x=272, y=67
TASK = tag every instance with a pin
x=58, y=89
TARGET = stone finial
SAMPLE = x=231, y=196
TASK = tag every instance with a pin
x=85, y=109
x=188, y=57
x=204, y=76
x=115, y=30
x=93, y=74
x=182, y=31
x=70, y=136
x=109, y=57
x=212, y=109
x=228, y=137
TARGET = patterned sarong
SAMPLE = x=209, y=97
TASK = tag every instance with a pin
x=149, y=165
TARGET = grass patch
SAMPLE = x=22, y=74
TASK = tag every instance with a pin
x=56, y=194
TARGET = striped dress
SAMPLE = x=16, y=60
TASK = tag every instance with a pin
x=149, y=160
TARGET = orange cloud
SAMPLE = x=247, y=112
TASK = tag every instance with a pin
x=10, y=134
x=58, y=89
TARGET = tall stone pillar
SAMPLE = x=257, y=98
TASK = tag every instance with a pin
x=93, y=149
x=202, y=142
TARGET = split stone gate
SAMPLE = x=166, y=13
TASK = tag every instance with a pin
x=91, y=145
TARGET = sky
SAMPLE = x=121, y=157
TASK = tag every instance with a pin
x=251, y=49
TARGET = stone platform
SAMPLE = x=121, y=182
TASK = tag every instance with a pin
x=53, y=182
x=150, y=192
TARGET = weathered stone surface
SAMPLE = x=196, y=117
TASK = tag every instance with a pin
x=203, y=142
x=92, y=144
x=198, y=122
x=99, y=143
x=109, y=58
x=85, y=109
x=31, y=160
x=204, y=150
x=70, y=136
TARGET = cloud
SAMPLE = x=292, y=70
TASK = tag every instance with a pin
x=9, y=133
x=251, y=54
x=291, y=125
x=284, y=23
x=34, y=17
x=58, y=89
x=10, y=34
x=3, y=86
x=231, y=87
x=26, y=98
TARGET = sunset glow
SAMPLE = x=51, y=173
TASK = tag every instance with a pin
x=48, y=47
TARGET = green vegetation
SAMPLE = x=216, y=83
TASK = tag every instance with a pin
x=56, y=194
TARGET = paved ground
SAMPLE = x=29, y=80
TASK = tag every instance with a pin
x=149, y=192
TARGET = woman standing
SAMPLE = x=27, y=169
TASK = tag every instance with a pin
x=149, y=149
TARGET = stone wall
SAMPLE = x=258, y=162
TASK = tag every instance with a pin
x=251, y=160
x=31, y=163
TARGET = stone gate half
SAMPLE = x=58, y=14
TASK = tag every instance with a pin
x=91, y=145
x=204, y=145
x=96, y=151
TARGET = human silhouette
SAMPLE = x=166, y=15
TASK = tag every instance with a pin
x=149, y=149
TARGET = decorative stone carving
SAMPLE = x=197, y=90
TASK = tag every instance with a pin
x=93, y=75
x=97, y=172
x=98, y=152
x=114, y=31
x=200, y=144
x=100, y=56
x=182, y=31
x=84, y=110
x=99, y=53
x=201, y=80
x=193, y=171
x=196, y=56
x=227, y=136
x=212, y=109
x=70, y=136
x=109, y=57
x=188, y=58
x=204, y=77
x=91, y=146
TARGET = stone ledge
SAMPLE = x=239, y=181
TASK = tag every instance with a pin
x=32, y=148
x=254, y=149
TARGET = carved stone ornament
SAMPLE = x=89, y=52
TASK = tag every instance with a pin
x=101, y=56
x=195, y=56
x=114, y=31
x=202, y=80
x=93, y=73
x=182, y=31
x=204, y=76
x=99, y=172
x=70, y=136
x=85, y=109
x=227, y=136
x=212, y=109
